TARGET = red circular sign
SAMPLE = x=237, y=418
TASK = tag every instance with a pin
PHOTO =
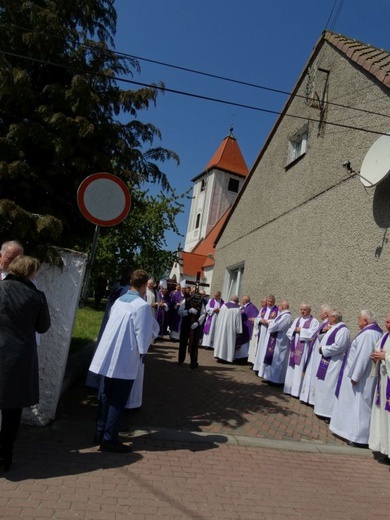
x=104, y=199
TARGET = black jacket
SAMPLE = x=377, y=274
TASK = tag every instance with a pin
x=23, y=312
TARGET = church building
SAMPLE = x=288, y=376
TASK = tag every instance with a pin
x=214, y=192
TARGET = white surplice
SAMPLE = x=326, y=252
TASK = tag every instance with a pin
x=253, y=343
x=127, y=336
x=229, y=324
x=352, y=409
x=324, y=389
x=307, y=394
x=294, y=374
x=208, y=339
x=379, y=439
x=263, y=338
x=276, y=372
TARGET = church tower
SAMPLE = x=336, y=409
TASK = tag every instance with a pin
x=215, y=190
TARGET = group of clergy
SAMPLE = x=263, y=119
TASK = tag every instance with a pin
x=347, y=382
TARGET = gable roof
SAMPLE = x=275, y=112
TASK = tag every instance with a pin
x=227, y=157
x=371, y=59
x=192, y=263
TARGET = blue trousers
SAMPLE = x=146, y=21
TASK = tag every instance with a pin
x=112, y=401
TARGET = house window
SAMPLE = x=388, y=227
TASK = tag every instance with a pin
x=297, y=145
x=233, y=185
x=197, y=221
x=234, y=281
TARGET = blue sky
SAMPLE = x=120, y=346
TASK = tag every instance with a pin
x=255, y=41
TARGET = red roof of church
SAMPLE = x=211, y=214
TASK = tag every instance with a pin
x=229, y=157
x=192, y=263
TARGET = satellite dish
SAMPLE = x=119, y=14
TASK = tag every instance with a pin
x=376, y=164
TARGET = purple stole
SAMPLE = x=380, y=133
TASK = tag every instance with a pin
x=373, y=326
x=209, y=319
x=377, y=400
x=250, y=311
x=297, y=351
x=270, y=350
x=324, y=363
x=311, y=344
x=231, y=305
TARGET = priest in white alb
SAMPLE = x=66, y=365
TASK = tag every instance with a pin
x=379, y=439
x=276, y=357
x=229, y=325
x=331, y=349
x=356, y=385
x=253, y=344
x=212, y=309
x=300, y=334
x=265, y=316
x=309, y=374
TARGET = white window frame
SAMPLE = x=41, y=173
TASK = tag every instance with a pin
x=297, y=145
x=233, y=280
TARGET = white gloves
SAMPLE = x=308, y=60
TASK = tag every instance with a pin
x=194, y=325
x=192, y=311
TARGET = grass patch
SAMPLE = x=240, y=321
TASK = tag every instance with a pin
x=87, y=325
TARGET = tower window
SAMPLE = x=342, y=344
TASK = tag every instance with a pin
x=233, y=185
x=203, y=185
x=197, y=221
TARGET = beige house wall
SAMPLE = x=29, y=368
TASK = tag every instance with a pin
x=311, y=232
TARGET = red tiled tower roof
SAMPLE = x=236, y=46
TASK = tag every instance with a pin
x=229, y=157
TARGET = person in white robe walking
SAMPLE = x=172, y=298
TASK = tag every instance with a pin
x=130, y=330
x=355, y=386
x=331, y=349
x=300, y=334
x=229, y=325
x=276, y=357
x=379, y=438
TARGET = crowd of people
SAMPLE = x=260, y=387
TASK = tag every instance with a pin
x=345, y=380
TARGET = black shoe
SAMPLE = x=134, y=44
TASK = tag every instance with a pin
x=193, y=367
x=115, y=447
x=357, y=445
x=383, y=459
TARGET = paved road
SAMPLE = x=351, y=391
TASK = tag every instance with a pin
x=217, y=443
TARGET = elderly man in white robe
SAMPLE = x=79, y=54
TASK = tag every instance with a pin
x=229, y=325
x=264, y=318
x=125, y=341
x=356, y=385
x=254, y=342
x=379, y=439
x=307, y=394
x=300, y=334
x=212, y=309
x=331, y=349
x=276, y=356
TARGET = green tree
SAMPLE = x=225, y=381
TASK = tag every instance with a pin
x=138, y=242
x=63, y=115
